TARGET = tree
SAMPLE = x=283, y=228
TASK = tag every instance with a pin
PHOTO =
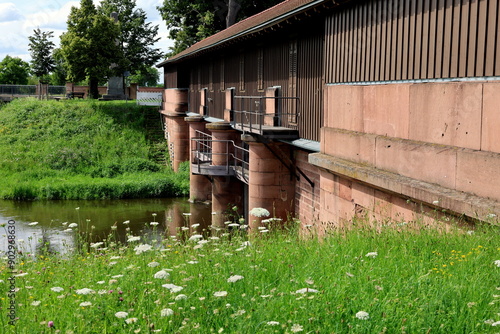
x=59, y=73
x=137, y=38
x=40, y=48
x=148, y=79
x=14, y=71
x=89, y=47
x=190, y=21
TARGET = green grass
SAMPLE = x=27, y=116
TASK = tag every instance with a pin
x=415, y=281
x=81, y=150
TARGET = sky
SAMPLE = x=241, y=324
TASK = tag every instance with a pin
x=18, y=19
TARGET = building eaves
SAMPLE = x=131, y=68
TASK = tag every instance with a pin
x=265, y=19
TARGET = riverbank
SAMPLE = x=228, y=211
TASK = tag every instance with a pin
x=83, y=150
x=402, y=280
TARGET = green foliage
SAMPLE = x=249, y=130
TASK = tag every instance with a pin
x=40, y=47
x=137, y=37
x=191, y=21
x=360, y=281
x=80, y=149
x=14, y=71
x=147, y=78
x=89, y=46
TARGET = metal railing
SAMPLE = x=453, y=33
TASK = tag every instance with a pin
x=232, y=160
x=30, y=90
x=250, y=112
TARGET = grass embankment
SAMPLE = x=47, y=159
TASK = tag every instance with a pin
x=396, y=281
x=81, y=150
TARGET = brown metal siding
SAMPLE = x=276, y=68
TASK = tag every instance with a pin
x=380, y=40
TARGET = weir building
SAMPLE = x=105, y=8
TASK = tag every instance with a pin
x=331, y=110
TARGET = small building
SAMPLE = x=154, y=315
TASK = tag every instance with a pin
x=331, y=110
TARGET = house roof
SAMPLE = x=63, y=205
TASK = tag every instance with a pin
x=251, y=25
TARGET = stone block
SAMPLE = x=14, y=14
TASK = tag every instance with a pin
x=363, y=195
x=446, y=113
x=490, y=139
x=344, y=107
x=479, y=173
x=386, y=110
x=350, y=145
x=418, y=160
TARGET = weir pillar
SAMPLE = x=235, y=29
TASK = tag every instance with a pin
x=271, y=181
x=200, y=187
x=227, y=191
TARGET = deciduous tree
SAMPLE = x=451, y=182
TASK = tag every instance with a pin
x=40, y=47
x=90, y=47
x=137, y=37
x=14, y=71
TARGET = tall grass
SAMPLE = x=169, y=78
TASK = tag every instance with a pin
x=360, y=281
x=80, y=150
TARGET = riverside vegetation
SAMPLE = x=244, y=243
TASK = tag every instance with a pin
x=401, y=279
x=82, y=150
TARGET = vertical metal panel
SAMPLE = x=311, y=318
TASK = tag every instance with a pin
x=492, y=33
x=481, y=37
x=379, y=40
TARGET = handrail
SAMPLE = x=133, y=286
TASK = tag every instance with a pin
x=253, y=118
x=236, y=157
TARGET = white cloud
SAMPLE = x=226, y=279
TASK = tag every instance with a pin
x=9, y=12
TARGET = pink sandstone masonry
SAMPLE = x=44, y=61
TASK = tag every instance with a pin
x=436, y=144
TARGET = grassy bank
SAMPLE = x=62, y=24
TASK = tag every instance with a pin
x=81, y=150
x=396, y=281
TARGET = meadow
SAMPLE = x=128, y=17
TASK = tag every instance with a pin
x=403, y=278
x=84, y=150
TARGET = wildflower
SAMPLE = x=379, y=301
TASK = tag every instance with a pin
x=180, y=297
x=161, y=274
x=68, y=230
x=117, y=276
x=126, y=222
x=196, y=237
x=238, y=313
x=233, y=225
x=84, y=291
x=83, y=304
x=220, y=293
x=131, y=320
x=153, y=264
x=497, y=323
x=272, y=323
x=173, y=288
x=153, y=223
x=234, y=278
x=372, y=254
x=195, y=225
x=57, y=289
x=264, y=231
x=166, y=312
x=259, y=212
x=36, y=303
x=142, y=248
x=114, y=227
x=349, y=274
x=154, y=214
x=96, y=245
x=50, y=324
x=497, y=263
x=296, y=328
x=306, y=290
x=435, y=202
x=470, y=232
x=184, y=228
x=132, y=238
x=471, y=304
x=491, y=216
x=21, y=275
x=72, y=225
x=33, y=224
x=186, y=214
x=362, y=315
x=121, y=314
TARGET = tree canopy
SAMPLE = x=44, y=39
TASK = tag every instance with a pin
x=191, y=21
x=136, y=38
x=40, y=47
x=14, y=71
x=89, y=47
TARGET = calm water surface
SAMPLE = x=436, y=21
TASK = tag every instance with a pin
x=42, y=222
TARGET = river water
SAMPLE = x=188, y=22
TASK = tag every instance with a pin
x=52, y=223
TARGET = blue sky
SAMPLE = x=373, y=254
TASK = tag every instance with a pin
x=18, y=19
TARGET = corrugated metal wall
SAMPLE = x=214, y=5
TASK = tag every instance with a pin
x=380, y=40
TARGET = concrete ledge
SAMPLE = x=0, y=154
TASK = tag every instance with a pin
x=459, y=203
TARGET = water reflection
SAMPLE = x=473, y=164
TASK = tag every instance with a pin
x=52, y=223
